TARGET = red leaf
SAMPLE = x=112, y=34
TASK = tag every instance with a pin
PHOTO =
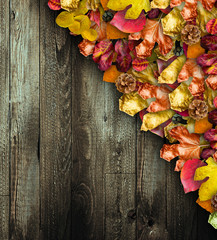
x=123, y=62
x=211, y=135
x=212, y=117
x=140, y=64
x=124, y=59
x=128, y=25
x=207, y=152
x=211, y=26
x=103, y=54
x=187, y=175
x=95, y=16
x=54, y=4
x=209, y=42
x=188, y=148
x=207, y=59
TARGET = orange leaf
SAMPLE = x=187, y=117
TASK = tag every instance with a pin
x=206, y=205
x=191, y=69
x=162, y=101
x=202, y=126
x=111, y=74
x=114, y=33
x=211, y=82
x=188, y=148
x=152, y=33
x=104, y=4
x=194, y=51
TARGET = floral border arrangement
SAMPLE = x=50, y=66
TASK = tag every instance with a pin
x=162, y=55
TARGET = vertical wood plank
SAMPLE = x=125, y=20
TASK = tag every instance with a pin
x=120, y=201
x=4, y=217
x=55, y=127
x=4, y=119
x=103, y=142
x=4, y=103
x=24, y=56
x=151, y=188
x=88, y=148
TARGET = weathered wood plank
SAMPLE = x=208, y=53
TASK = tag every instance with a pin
x=4, y=217
x=151, y=188
x=4, y=93
x=103, y=142
x=4, y=120
x=88, y=148
x=24, y=56
x=120, y=202
x=120, y=134
x=55, y=127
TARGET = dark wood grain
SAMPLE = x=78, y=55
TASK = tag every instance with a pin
x=24, y=92
x=55, y=127
x=72, y=166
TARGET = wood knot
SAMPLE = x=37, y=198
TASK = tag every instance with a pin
x=131, y=215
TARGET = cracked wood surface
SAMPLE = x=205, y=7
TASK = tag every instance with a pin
x=72, y=166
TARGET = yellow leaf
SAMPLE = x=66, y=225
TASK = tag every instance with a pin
x=136, y=7
x=160, y=4
x=84, y=23
x=82, y=9
x=180, y=98
x=132, y=103
x=170, y=74
x=208, y=188
x=69, y=5
x=152, y=120
x=89, y=34
x=173, y=23
x=65, y=19
x=147, y=75
x=75, y=27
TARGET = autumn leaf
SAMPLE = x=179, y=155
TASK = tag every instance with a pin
x=211, y=26
x=124, y=59
x=209, y=42
x=140, y=64
x=128, y=25
x=103, y=54
x=180, y=98
x=152, y=33
x=213, y=219
x=189, y=11
x=187, y=175
x=192, y=69
x=211, y=82
x=160, y=93
x=208, y=62
x=208, y=188
x=170, y=74
x=54, y=4
x=132, y=103
x=188, y=147
x=152, y=120
x=137, y=7
x=86, y=47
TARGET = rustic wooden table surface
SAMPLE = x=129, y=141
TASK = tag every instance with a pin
x=72, y=166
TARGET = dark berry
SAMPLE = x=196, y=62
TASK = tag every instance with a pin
x=107, y=16
x=178, y=51
x=178, y=119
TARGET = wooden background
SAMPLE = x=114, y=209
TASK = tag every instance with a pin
x=71, y=165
